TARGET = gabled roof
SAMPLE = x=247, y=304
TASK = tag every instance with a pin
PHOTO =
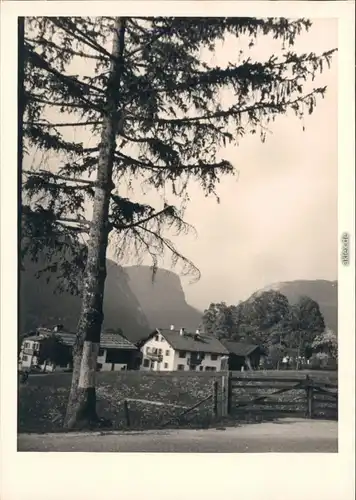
x=240, y=348
x=34, y=337
x=108, y=340
x=115, y=341
x=190, y=342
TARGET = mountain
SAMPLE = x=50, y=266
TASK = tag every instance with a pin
x=163, y=300
x=39, y=305
x=322, y=291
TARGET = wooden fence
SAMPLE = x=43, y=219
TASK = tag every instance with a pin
x=253, y=396
x=278, y=396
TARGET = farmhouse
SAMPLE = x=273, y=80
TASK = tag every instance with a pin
x=115, y=353
x=171, y=350
x=29, y=353
x=243, y=356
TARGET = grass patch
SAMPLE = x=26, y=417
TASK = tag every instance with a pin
x=43, y=398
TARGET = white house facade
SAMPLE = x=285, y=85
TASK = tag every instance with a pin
x=178, y=350
x=29, y=354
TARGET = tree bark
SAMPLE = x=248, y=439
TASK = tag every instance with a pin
x=81, y=409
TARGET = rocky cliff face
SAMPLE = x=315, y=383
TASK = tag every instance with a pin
x=162, y=301
x=40, y=305
x=322, y=291
x=137, y=305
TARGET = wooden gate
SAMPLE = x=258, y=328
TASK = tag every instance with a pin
x=272, y=396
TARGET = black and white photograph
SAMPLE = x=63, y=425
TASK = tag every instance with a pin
x=178, y=244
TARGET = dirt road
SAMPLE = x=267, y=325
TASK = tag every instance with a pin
x=283, y=436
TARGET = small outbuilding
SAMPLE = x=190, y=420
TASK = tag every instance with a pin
x=243, y=356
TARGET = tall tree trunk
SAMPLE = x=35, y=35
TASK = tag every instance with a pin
x=81, y=409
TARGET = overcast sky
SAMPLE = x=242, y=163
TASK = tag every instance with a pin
x=277, y=220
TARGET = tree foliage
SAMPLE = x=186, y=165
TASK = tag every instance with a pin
x=220, y=320
x=268, y=319
x=305, y=323
x=172, y=123
x=326, y=343
x=262, y=318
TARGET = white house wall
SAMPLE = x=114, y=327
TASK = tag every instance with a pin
x=171, y=360
x=27, y=358
x=206, y=362
x=167, y=363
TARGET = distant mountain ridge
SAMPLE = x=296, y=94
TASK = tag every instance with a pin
x=324, y=292
x=41, y=306
x=137, y=305
x=162, y=300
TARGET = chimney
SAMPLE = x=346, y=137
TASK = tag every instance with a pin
x=181, y=332
x=172, y=327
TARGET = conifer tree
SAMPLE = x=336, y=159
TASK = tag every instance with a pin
x=152, y=111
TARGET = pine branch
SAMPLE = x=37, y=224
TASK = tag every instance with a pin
x=233, y=111
x=142, y=221
x=45, y=173
x=179, y=167
x=74, y=85
x=70, y=124
x=78, y=34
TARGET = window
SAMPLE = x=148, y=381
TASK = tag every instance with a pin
x=101, y=352
x=27, y=345
x=166, y=365
x=153, y=365
x=180, y=367
x=214, y=357
x=148, y=349
x=210, y=369
x=182, y=354
x=157, y=338
x=201, y=368
x=159, y=351
x=167, y=352
x=146, y=363
x=24, y=358
x=36, y=346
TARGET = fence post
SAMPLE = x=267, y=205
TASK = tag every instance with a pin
x=309, y=389
x=127, y=413
x=229, y=392
x=215, y=398
x=225, y=395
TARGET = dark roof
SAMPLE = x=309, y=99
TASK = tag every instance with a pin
x=240, y=348
x=115, y=341
x=191, y=341
x=34, y=337
x=107, y=340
